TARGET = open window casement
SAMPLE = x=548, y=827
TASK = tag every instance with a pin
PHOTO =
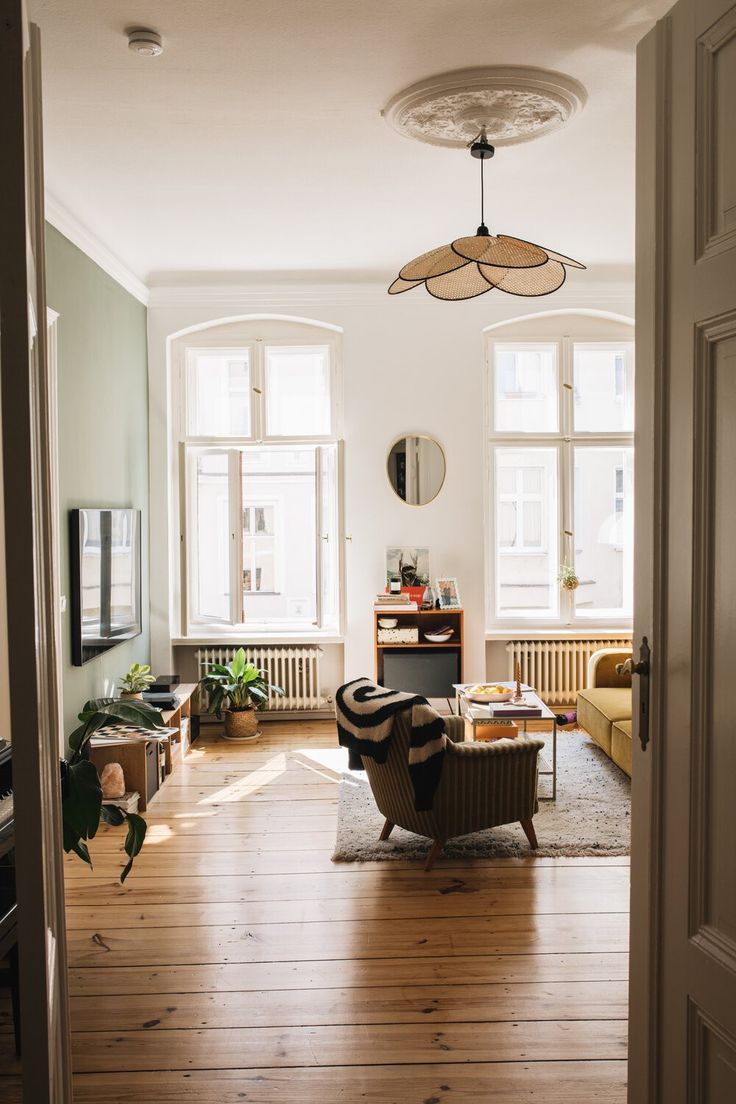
x=261, y=536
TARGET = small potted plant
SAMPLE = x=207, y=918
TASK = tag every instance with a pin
x=236, y=689
x=138, y=679
x=568, y=578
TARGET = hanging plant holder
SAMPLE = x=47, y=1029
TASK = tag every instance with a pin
x=568, y=578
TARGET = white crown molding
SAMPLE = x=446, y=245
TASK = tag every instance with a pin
x=593, y=294
x=70, y=226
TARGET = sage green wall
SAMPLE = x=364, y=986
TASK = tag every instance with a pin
x=103, y=431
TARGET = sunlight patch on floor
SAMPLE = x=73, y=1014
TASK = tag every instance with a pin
x=251, y=783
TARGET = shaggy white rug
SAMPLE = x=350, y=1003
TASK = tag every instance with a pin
x=591, y=816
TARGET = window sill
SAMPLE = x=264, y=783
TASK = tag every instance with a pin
x=318, y=636
x=555, y=633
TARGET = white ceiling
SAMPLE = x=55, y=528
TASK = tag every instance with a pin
x=254, y=144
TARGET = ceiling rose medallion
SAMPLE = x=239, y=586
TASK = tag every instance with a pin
x=513, y=102
x=513, y=105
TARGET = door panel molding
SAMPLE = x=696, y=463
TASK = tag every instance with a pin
x=712, y=337
x=711, y=1059
x=715, y=195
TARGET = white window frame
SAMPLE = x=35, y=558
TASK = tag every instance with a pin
x=257, y=361
x=519, y=497
x=255, y=335
x=564, y=441
x=277, y=505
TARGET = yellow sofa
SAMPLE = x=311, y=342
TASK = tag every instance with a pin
x=604, y=707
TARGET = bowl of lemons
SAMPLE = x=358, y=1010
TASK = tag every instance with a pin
x=489, y=693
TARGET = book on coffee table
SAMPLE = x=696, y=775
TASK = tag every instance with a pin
x=512, y=709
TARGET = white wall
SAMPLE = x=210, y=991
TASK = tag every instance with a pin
x=411, y=364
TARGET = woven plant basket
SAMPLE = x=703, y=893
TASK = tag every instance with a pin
x=241, y=725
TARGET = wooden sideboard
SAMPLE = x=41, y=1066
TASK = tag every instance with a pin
x=148, y=759
x=424, y=621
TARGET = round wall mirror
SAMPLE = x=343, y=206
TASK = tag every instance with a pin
x=416, y=468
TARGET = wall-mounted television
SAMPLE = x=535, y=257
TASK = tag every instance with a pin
x=105, y=559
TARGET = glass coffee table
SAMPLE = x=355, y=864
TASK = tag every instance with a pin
x=462, y=705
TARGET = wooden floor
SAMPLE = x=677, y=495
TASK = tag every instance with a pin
x=238, y=963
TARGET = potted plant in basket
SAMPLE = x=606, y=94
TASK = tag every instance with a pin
x=236, y=689
x=138, y=679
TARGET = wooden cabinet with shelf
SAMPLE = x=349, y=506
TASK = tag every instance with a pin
x=147, y=760
x=425, y=667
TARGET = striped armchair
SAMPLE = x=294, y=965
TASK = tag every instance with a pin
x=482, y=785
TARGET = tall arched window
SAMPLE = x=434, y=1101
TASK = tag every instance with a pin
x=560, y=459
x=259, y=465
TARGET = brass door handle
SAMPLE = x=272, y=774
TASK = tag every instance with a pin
x=631, y=668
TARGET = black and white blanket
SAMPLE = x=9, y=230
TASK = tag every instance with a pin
x=365, y=717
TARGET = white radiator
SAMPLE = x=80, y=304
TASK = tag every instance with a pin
x=295, y=669
x=556, y=668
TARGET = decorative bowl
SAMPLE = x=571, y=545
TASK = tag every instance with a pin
x=493, y=695
x=438, y=638
x=388, y=622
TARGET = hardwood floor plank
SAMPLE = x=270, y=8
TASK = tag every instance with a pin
x=345, y=940
x=590, y=1000
x=98, y=1051
x=214, y=865
x=166, y=843
x=356, y=881
x=328, y=974
x=474, y=1083
x=498, y=902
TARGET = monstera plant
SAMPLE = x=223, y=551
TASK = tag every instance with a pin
x=81, y=792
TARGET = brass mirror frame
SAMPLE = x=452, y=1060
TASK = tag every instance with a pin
x=423, y=437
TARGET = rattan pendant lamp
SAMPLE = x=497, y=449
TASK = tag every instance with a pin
x=471, y=266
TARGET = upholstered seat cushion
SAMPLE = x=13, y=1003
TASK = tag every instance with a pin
x=621, y=745
x=600, y=708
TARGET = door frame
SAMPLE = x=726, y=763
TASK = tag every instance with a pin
x=653, y=220
x=30, y=549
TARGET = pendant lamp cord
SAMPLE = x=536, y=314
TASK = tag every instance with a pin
x=481, y=148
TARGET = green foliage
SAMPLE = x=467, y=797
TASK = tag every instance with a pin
x=81, y=792
x=567, y=578
x=138, y=678
x=237, y=685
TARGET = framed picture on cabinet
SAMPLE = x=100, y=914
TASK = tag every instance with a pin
x=448, y=592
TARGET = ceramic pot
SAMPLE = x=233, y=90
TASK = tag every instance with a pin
x=138, y=696
x=241, y=724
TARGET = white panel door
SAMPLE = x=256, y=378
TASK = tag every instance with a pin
x=683, y=968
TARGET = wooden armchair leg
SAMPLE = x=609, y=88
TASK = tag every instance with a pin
x=386, y=830
x=434, y=854
x=530, y=834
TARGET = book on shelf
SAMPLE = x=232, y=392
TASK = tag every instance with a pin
x=388, y=607
x=128, y=802
x=510, y=709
